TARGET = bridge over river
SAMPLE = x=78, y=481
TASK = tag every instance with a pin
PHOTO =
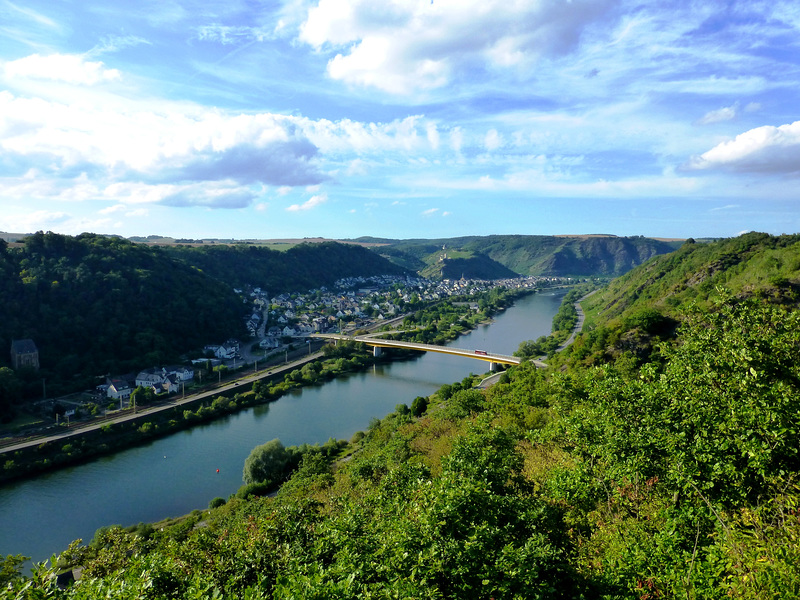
x=379, y=343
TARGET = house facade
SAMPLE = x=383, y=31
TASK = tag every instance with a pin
x=119, y=389
x=24, y=353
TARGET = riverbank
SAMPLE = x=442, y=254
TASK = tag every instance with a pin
x=76, y=445
x=73, y=447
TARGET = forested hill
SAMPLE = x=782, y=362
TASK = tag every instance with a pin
x=644, y=307
x=750, y=264
x=95, y=304
x=580, y=256
x=302, y=267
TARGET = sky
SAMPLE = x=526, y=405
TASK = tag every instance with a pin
x=263, y=119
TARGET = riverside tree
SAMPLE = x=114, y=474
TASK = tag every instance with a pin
x=266, y=463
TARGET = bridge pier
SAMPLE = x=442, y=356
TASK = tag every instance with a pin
x=377, y=351
x=494, y=367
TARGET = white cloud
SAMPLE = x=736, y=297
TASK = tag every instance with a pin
x=115, y=43
x=409, y=45
x=725, y=113
x=32, y=221
x=229, y=34
x=70, y=68
x=430, y=212
x=433, y=135
x=155, y=146
x=357, y=167
x=764, y=150
x=309, y=204
x=32, y=15
x=456, y=139
x=407, y=134
x=113, y=209
x=493, y=140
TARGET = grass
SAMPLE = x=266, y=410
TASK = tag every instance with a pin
x=20, y=423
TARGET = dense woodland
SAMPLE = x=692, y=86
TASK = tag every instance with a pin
x=659, y=462
x=96, y=305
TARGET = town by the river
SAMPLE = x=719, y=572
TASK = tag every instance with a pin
x=174, y=475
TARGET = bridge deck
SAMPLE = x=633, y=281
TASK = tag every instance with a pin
x=490, y=357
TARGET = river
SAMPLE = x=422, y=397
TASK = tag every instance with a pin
x=174, y=475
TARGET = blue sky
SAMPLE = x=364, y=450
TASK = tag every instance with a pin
x=431, y=118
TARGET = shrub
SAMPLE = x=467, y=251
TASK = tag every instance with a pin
x=216, y=502
x=419, y=406
x=252, y=489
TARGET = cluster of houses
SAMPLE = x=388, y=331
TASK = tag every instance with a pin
x=355, y=300
x=273, y=319
x=162, y=380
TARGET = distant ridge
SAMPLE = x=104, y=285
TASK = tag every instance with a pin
x=500, y=256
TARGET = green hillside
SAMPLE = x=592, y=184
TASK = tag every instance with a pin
x=674, y=480
x=466, y=265
x=753, y=263
x=640, y=309
x=496, y=256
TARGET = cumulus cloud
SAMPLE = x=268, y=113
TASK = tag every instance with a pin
x=767, y=149
x=154, y=147
x=409, y=134
x=70, y=68
x=405, y=46
x=308, y=204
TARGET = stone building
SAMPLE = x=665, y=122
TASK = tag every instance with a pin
x=24, y=354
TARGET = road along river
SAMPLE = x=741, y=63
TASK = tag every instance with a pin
x=174, y=475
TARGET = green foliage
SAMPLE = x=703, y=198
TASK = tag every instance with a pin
x=419, y=406
x=258, y=488
x=462, y=403
x=266, y=463
x=216, y=502
x=11, y=568
x=672, y=475
x=10, y=393
x=689, y=446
